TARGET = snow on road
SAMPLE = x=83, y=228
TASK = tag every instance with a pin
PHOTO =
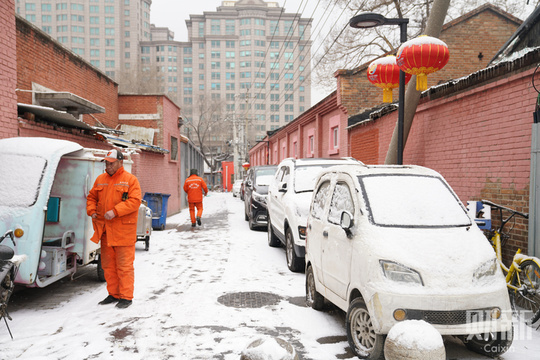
x=186, y=286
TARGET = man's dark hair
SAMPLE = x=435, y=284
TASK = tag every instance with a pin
x=194, y=172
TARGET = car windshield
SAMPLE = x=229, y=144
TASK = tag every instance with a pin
x=20, y=179
x=306, y=176
x=412, y=201
x=263, y=180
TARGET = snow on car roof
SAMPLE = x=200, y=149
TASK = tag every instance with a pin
x=32, y=146
x=24, y=161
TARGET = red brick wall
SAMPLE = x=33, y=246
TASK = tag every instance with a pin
x=42, y=60
x=8, y=70
x=157, y=173
x=479, y=140
x=482, y=31
x=366, y=149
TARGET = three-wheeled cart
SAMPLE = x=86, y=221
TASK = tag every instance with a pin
x=45, y=183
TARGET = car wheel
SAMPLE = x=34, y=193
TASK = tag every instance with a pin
x=246, y=217
x=313, y=298
x=147, y=243
x=490, y=344
x=294, y=263
x=250, y=222
x=100, y=272
x=363, y=340
x=273, y=240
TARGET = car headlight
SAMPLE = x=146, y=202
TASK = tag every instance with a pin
x=397, y=272
x=259, y=198
x=487, y=269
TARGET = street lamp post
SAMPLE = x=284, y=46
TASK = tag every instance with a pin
x=369, y=20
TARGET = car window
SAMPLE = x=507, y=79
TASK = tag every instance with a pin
x=412, y=201
x=279, y=174
x=305, y=177
x=263, y=180
x=341, y=200
x=319, y=200
x=21, y=179
x=286, y=174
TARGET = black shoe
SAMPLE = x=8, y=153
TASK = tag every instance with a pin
x=123, y=303
x=193, y=224
x=199, y=221
x=108, y=300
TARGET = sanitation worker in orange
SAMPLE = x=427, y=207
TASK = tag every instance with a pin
x=194, y=186
x=113, y=203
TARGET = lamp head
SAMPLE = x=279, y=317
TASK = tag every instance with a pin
x=367, y=20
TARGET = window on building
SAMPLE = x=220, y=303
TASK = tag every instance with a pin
x=229, y=27
x=174, y=149
x=215, y=27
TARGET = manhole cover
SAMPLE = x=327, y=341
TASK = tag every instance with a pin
x=249, y=299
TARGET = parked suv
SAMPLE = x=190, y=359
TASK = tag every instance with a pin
x=394, y=243
x=255, y=192
x=289, y=197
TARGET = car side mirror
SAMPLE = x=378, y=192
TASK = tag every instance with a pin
x=282, y=187
x=248, y=183
x=347, y=222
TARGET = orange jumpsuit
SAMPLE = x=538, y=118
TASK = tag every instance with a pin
x=122, y=194
x=194, y=187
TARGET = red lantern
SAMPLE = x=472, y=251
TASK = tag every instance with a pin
x=245, y=165
x=422, y=56
x=384, y=73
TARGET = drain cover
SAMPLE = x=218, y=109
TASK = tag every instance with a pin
x=249, y=299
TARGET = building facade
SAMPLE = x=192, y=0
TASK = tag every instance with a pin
x=107, y=33
x=248, y=56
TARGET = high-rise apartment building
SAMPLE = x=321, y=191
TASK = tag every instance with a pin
x=107, y=33
x=249, y=56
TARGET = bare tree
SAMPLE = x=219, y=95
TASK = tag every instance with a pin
x=146, y=80
x=207, y=128
x=347, y=48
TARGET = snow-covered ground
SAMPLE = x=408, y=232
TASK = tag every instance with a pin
x=184, y=288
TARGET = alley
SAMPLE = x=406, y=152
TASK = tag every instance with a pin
x=202, y=293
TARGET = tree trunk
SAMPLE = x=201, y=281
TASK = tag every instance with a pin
x=412, y=96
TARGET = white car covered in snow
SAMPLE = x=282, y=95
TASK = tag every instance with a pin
x=236, y=188
x=394, y=243
x=289, y=198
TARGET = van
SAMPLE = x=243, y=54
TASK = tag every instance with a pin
x=392, y=243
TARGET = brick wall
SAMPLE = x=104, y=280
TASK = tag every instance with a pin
x=483, y=30
x=478, y=139
x=42, y=60
x=157, y=173
x=474, y=41
x=8, y=70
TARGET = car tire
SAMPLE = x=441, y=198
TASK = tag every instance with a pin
x=250, y=223
x=363, y=340
x=273, y=240
x=313, y=298
x=147, y=243
x=490, y=344
x=294, y=263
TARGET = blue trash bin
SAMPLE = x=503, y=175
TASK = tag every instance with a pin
x=158, y=203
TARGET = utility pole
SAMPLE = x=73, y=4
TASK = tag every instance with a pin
x=246, y=150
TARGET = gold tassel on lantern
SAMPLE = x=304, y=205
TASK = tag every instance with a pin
x=421, y=82
x=387, y=95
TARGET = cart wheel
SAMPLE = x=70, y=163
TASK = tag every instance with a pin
x=162, y=227
x=100, y=272
x=147, y=243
